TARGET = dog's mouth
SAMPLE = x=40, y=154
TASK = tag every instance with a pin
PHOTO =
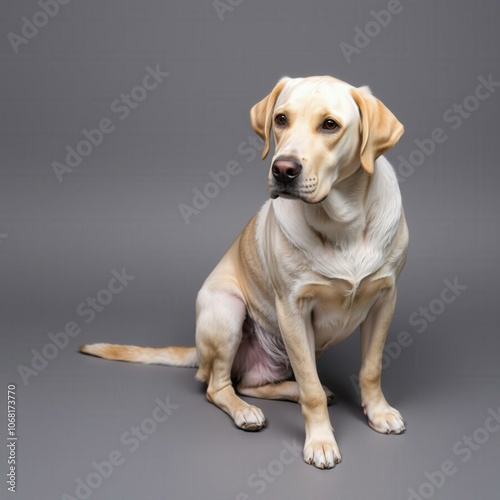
x=284, y=193
x=295, y=194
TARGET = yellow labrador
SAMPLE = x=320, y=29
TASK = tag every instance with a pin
x=319, y=259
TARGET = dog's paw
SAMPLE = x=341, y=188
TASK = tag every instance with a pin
x=322, y=454
x=250, y=418
x=330, y=396
x=386, y=420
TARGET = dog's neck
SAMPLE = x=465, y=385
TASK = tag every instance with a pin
x=341, y=217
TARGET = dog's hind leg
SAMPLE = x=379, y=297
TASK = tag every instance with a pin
x=286, y=391
x=220, y=317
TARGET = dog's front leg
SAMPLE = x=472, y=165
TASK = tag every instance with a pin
x=320, y=448
x=381, y=416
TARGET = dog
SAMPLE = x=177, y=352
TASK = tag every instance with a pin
x=321, y=257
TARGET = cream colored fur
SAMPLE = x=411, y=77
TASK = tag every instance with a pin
x=319, y=259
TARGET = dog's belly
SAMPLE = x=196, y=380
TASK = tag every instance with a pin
x=340, y=307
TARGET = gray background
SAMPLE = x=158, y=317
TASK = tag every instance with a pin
x=120, y=208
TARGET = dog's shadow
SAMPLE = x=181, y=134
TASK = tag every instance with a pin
x=340, y=383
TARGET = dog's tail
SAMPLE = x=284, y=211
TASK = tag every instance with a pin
x=173, y=356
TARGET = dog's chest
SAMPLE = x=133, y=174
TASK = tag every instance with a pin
x=343, y=284
x=351, y=263
x=339, y=307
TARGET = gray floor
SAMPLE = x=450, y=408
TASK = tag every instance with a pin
x=61, y=242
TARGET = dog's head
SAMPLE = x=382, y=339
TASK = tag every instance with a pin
x=324, y=130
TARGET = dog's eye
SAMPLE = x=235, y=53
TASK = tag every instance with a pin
x=280, y=119
x=329, y=124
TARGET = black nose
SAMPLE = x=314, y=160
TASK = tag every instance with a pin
x=285, y=170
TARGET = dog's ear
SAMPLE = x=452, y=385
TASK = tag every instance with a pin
x=262, y=113
x=380, y=129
